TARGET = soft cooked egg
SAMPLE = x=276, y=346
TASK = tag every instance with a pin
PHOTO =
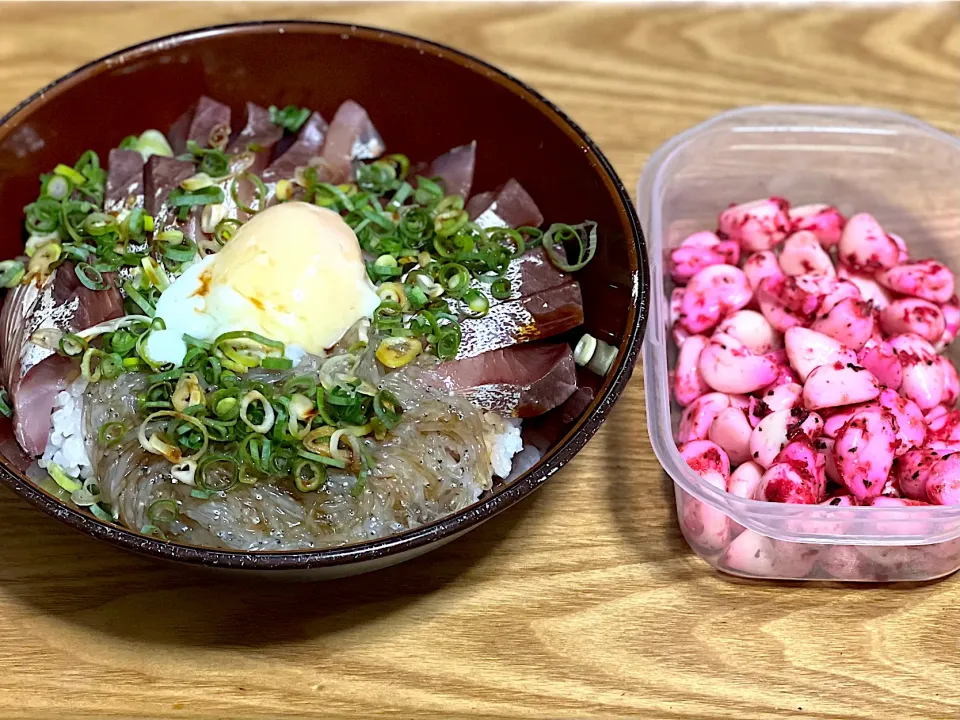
x=293, y=273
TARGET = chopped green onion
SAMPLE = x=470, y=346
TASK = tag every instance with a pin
x=11, y=273
x=62, y=479
x=226, y=229
x=153, y=142
x=455, y=279
x=72, y=345
x=141, y=301
x=477, y=302
x=184, y=200
x=153, y=531
x=387, y=409
x=212, y=475
x=101, y=514
x=291, y=118
x=323, y=459
x=428, y=192
x=276, y=363
x=56, y=187
x=559, y=233
x=163, y=511
x=259, y=194
x=500, y=288
x=70, y=174
x=89, y=276
x=111, y=433
x=308, y=475
x=5, y=408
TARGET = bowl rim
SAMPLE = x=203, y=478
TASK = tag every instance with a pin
x=451, y=525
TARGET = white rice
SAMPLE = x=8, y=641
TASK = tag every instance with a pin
x=503, y=442
x=66, y=445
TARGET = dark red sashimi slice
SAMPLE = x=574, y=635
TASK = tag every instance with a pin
x=510, y=205
x=535, y=317
x=520, y=381
x=198, y=123
x=124, y=180
x=306, y=147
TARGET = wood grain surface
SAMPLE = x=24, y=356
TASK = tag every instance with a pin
x=584, y=601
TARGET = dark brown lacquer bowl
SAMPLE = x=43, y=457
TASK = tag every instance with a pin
x=424, y=98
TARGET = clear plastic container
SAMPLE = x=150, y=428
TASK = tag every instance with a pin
x=907, y=174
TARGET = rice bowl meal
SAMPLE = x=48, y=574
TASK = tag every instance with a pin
x=276, y=336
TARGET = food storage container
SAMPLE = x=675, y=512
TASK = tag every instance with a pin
x=907, y=174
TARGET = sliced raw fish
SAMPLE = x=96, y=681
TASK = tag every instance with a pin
x=535, y=317
x=161, y=176
x=509, y=206
x=198, y=123
x=456, y=168
x=124, y=180
x=258, y=135
x=351, y=136
x=307, y=146
x=33, y=402
x=35, y=374
x=521, y=381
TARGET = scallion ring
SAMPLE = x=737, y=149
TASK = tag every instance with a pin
x=308, y=475
x=259, y=192
x=218, y=472
x=163, y=511
x=111, y=433
x=266, y=410
x=559, y=233
x=11, y=273
x=477, y=302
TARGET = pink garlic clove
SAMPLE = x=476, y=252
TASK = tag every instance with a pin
x=688, y=384
x=822, y=220
x=865, y=246
x=883, y=361
x=912, y=315
x=943, y=482
x=850, y=321
x=924, y=279
x=756, y=555
x=773, y=432
x=809, y=349
x=761, y=265
x=870, y=290
x=743, y=482
x=705, y=457
x=910, y=427
x=864, y=451
x=728, y=366
x=802, y=254
x=711, y=294
x=912, y=470
x=753, y=330
x=951, y=383
x=731, y=431
x=838, y=384
x=951, y=318
x=685, y=262
x=696, y=419
x=757, y=225
x=922, y=373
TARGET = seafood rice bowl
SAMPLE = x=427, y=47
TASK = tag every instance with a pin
x=273, y=334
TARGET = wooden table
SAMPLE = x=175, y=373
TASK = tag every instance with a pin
x=583, y=601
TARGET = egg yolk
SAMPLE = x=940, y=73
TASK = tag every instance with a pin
x=293, y=273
